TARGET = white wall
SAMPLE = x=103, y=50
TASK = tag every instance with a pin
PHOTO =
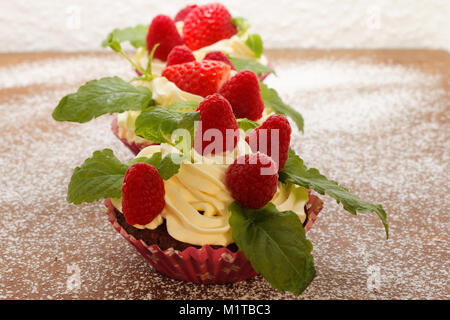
x=78, y=25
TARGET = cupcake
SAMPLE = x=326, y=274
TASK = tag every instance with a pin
x=212, y=203
x=197, y=33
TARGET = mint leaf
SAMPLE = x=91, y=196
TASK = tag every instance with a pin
x=256, y=67
x=272, y=99
x=167, y=166
x=242, y=24
x=98, y=97
x=157, y=124
x=135, y=35
x=296, y=172
x=254, y=42
x=246, y=124
x=275, y=244
x=183, y=106
x=99, y=177
x=155, y=160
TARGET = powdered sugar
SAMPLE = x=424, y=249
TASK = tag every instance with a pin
x=381, y=130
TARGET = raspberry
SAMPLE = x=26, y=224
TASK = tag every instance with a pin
x=244, y=95
x=198, y=77
x=142, y=194
x=162, y=30
x=248, y=182
x=206, y=25
x=216, y=113
x=263, y=142
x=182, y=14
x=179, y=54
x=218, y=56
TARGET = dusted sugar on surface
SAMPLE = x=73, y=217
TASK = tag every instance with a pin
x=378, y=125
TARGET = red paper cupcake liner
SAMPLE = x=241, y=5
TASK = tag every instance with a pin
x=204, y=265
x=134, y=147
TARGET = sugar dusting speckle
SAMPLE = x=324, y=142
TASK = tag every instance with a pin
x=381, y=130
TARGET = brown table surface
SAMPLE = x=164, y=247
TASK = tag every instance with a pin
x=376, y=121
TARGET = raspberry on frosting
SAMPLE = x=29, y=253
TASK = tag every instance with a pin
x=252, y=180
x=206, y=25
x=180, y=54
x=218, y=56
x=218, y=130
x=142, y=194
x=273, y=143
x=163, y=31
x=244, y=95
x=198, y=77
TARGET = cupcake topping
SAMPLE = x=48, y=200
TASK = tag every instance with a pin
x=163, y=31
x=244, y=95
x=198, y=77
x=206, y=25
x=252, y=180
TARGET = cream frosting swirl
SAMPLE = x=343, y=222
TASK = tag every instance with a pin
x=197, y=200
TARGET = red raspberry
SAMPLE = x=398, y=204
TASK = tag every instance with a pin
x=218, y=56
x=162, y=30
x=142, y=194
x=252, y=180
x=244, y=95
x=261, y=142
x=198, y=77
x=216, y=113
x=179, y=54
x=206, y=25
x=182, y=14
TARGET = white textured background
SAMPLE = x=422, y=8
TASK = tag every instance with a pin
x=80, y=25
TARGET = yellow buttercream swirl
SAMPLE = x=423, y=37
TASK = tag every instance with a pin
x=197, y=201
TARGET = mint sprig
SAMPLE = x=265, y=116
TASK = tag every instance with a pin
x=98, y=97
x=254, y=42
x=242, y=25
x=135, y=35
x=296, y=172
x=275, y=244
x=246, y=124
x=245, y=64
x=184, y=106
x=272, y=99
x=157, y=124
x=101, y=176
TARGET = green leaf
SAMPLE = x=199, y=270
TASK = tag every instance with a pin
x=275, y=244
x=157, y=124
x=255, y=66
x=99, y=177
x=155, y=160
x=254, y=42
x=169, y=165
x=272, y=100
x=296, y=172
x=135, y=35
x=246, y=124
x=242, y=24
x=98, y=97
x=184, y=106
